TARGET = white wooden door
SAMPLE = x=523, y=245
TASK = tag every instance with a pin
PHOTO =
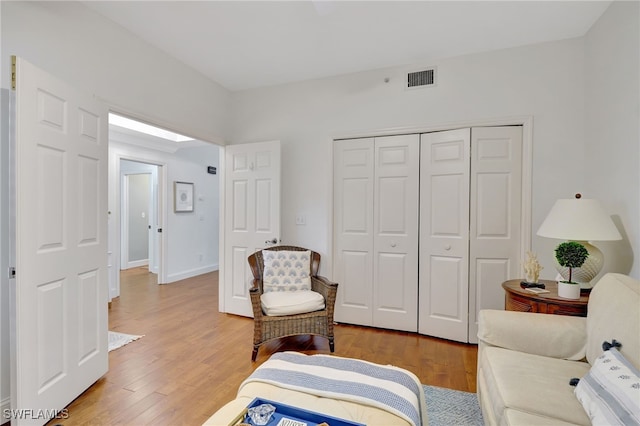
x=252, y=215
x=61, y=293
x=376, y=231
x=496, y=199
x=395, y=220
x=444, y=234
x=353, y=229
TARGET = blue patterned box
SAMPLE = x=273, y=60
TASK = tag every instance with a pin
x=294, y=414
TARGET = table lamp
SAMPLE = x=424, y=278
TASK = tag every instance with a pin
x=580, y=220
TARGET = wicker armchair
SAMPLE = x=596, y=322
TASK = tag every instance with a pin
x=272, y=327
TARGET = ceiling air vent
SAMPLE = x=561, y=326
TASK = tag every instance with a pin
x=424, y=78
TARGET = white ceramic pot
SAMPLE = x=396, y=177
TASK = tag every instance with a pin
x=568, y=291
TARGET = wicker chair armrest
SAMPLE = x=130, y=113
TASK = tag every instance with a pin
x=257, y=286
x=255, y=292
x=327, y=288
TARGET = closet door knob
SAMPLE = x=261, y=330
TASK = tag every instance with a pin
x=393, y=244
x=447, y=247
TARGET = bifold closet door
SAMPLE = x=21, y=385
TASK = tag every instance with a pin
x=444, y=234
x=495, y=227
x=395, y=245
x=376, y=231
x=470, y=226
x=353, y=229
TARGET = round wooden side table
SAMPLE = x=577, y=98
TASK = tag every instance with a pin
x=519, y=299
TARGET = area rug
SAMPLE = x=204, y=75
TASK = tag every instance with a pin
x=446, y=407
x=118, y=340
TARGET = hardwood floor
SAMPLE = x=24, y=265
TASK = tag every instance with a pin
x=192, y=358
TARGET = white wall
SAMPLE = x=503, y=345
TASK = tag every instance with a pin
x=194, y=235
x=80, y=46
x=612, y=136
x=545, y=81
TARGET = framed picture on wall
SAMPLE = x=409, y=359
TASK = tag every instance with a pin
x=182, y=197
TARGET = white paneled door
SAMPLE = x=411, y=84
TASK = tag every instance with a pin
x=353, y=228
x=376, y=231
x=252, y=215
x=60, y=332
x=470, y=226
x=495, y=227
x=444, y=234
x=395, y=229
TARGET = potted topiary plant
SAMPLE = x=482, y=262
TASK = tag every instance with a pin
x=571, y=255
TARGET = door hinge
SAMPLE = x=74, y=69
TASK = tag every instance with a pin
x=13, y=72
x=12, y=272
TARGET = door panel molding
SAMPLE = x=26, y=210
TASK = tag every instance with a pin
x=59, y=300
x=251, y=217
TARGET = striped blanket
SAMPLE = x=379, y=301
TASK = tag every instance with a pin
x=386, y=387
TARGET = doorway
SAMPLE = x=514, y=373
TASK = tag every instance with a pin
x=144, y=161
x=137, y=189
x=139, y=243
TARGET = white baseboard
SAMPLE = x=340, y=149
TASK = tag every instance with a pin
x=191, y=273
x=137, y=264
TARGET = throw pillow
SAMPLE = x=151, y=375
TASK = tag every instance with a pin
x=286, y=270
x=610, y=392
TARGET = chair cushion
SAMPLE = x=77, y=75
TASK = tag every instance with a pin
x=286, y=270
x=291, y=302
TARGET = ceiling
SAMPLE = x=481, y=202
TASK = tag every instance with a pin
x=248, y=44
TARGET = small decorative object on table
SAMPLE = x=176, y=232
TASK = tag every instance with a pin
x=261, y=414
x=570, y=254
x=532, y=270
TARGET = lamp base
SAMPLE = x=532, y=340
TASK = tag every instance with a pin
x=589, y=269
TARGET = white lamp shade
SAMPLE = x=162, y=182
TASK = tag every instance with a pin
x=579, y=219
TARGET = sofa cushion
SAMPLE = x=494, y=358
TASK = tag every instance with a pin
x=614, y=314
x=291, y=302
x=610, y=392
x=286, y=270
x=533, y=384
x=518, y=418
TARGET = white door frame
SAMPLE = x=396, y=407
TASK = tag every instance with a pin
x=124, y=231
x=115, y=213
x=221, y=228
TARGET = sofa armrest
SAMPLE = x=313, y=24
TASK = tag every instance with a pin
x=556, y=336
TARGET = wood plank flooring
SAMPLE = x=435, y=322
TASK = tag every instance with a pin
x=192, y=358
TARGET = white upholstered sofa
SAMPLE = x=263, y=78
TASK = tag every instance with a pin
x=526, y=360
